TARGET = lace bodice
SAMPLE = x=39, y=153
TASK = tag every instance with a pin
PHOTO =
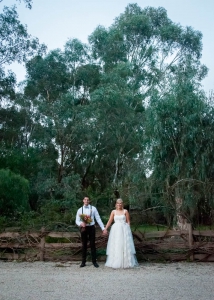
x=119, y=218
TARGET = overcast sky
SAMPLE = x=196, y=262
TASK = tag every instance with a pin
x=55, y=21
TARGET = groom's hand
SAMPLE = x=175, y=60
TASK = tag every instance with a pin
x=82, y=224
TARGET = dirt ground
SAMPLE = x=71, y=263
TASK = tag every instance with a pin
x=63, y=281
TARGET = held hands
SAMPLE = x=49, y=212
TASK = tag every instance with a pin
x=105, y=231
x=82, y=224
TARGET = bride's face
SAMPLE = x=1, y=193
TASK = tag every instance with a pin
x=119, y=205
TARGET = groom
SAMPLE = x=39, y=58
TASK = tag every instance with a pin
x=88, y=230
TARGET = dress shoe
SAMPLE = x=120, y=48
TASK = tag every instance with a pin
x=96, y=265
x=82, y=265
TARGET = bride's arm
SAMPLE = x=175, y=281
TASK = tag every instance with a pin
x=127, y=217
x=111, y=218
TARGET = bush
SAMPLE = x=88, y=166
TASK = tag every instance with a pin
x=14, y=193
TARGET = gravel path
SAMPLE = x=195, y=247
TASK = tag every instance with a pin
x=63, y=281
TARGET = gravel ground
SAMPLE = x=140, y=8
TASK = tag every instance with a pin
x=63, y=281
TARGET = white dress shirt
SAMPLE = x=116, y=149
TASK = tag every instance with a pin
x=92, y=212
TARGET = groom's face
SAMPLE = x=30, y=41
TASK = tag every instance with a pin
x=86, y=201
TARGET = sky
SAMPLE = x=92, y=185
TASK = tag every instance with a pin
x=53, y=22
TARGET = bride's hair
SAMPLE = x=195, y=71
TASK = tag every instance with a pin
x=119, y=200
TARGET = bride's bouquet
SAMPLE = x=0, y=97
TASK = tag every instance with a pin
x=85, y=218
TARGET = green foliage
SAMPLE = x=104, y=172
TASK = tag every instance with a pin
x=180, y=126
x=16, y=45
x=124, y=116
x=7, y=85
x=14, y=192
x=13, y=33
x=3, y=222
x=43, y=73
x=54, y=215
x=87, y=76
x=27, y=2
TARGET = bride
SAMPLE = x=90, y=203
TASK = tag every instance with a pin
x=120, y=248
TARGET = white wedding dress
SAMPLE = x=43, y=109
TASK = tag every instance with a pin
x=120, y=248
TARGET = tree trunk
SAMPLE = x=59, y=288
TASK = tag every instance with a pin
x=181, y=221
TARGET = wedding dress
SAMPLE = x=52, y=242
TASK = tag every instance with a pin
x=120, y=248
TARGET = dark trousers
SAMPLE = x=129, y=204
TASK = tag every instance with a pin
x=88, y=235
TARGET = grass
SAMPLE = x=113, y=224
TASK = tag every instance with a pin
x=204, y=227
x=148, y=227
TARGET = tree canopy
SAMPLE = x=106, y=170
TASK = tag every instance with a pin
x=123, y=115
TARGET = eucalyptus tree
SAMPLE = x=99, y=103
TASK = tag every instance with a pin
x=117, y=129
x=87, y=79
x=60, y=85
x=21, y=144
x=47, y=78
x=150, y=42
x=180, y=126
x=76, y=55
x=161, y=56
x=47, y=83
x=93, y=102
x=50, y=87
x=16, y=45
